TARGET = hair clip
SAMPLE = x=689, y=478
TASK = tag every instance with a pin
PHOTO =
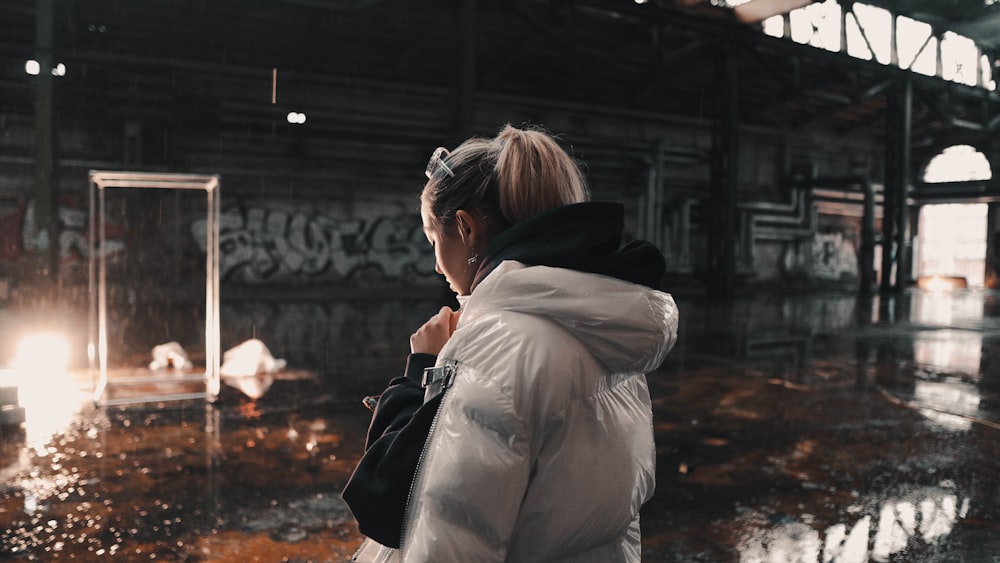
x=437, y=163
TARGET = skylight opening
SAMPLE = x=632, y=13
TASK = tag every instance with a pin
x=869, y=33
x=869, y=36
x=817, y=25
x=958, y=58
x=987, y=73
x=916, y=46
x=774, y=26
x=857, y=47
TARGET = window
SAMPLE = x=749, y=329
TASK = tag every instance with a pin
x=916, y=46
x=958, y=163
x=869, y=35
x=817, y=25
x=959, y=59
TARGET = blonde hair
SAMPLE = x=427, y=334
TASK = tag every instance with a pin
x=509, y=178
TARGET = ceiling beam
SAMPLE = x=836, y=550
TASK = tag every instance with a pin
x=672, y=59
x=874, y=90
x=729, y=28
x=332, y=5
x=994, y=124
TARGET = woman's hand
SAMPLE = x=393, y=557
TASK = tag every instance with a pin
x=434, y=334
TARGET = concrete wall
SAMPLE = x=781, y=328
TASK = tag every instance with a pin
x=334, y=206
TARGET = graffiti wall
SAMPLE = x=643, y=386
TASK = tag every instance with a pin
x=263, y=243
x=276, y=244
x=21, y=236
x=826, y=257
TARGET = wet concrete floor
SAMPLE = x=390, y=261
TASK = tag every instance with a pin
x=811, y=428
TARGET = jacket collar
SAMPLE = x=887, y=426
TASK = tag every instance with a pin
x=585, y=237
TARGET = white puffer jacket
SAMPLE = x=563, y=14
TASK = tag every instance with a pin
x=542, y=449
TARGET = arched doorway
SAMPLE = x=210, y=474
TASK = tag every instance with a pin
x=952, y=236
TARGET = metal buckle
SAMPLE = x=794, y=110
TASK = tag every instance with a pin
x=443, y=375
x=437, y=380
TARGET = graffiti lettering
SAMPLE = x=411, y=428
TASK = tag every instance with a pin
x=73, y=234
x=827, y=257
x=276, y=245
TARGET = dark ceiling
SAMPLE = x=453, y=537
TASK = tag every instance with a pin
x=660, y=56
x=978, y=20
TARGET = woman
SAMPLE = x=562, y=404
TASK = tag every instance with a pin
x=530, y=438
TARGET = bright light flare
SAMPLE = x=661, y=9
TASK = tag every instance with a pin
x=940, y=284
x=46, y=391
x=41, y=354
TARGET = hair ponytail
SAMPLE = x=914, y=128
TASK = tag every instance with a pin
x=534, y=174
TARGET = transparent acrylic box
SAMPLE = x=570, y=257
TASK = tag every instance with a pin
x=140, y=283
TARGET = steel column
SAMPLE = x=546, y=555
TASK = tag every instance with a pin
x=867, y=258
x=465, y=120
x=903, y=240
x=895, y=218
x=992, y=265
x=725, y=176
x=656, y=192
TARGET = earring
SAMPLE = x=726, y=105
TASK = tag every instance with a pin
x=474, y=258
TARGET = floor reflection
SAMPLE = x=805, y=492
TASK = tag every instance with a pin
x=857, y=429
x=923, y=516
x=952, y=404
x=948, y=308
x=830, y=428
x=949, y=351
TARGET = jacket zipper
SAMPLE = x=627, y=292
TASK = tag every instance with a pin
x=382, y=555
x=449, y=378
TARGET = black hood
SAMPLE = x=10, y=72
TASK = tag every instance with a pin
x=586, y=237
